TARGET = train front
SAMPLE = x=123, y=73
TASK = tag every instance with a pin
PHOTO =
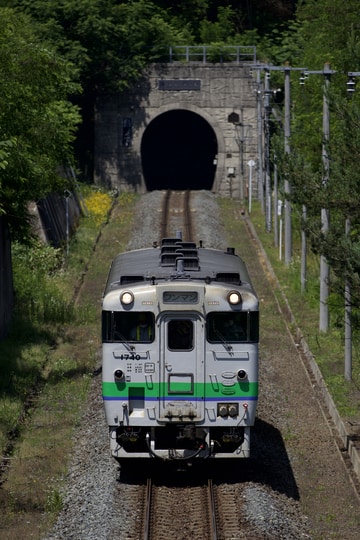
x=180, y=367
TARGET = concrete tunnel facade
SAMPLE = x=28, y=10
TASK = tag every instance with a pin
x=174, y=130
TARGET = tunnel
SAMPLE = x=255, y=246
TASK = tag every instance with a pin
x=178, y=151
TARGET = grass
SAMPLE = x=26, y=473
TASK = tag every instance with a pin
x=44, y=286
x=327, y=348
x=47, y=363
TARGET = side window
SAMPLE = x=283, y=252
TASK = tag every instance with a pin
x=106, y=325
x=180, y=335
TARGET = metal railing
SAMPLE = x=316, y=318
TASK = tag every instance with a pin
x=212, y=53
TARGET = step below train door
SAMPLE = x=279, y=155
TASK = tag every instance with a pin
x=182, y=368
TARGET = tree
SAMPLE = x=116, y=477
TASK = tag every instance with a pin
x=108, y=41
x=325, y=35
x=340, y=248
x=111, y=41
x=37, y=123
x=328, y=31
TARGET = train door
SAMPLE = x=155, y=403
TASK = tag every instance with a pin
x=182, y=368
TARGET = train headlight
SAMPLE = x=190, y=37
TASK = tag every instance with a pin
x=127, y=298
x=241, y=374
x=118, y=375
x=234, y=298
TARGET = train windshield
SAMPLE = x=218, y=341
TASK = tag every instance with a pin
x=234, y=327
x=123, y=327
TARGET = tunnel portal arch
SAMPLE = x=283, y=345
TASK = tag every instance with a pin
x=178, y=151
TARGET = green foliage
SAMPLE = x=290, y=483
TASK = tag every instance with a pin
x=326, y=348
x=329, y=32
x=282, y=44
x=40, y=258
x=39, y=296
x=37, y=123
x=54, y=501
x=5, y=154
x=109, y=42
x=221, y=29
x=319, y=35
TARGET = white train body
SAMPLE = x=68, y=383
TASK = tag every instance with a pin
x=185, y=384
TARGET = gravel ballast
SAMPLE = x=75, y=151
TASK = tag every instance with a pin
x=296, y=486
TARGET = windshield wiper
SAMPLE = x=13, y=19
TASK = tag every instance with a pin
x=126, y=344
x=227, y=345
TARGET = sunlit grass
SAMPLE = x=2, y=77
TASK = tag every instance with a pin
x=328, y=348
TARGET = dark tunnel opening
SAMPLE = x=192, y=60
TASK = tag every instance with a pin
x=178, y=151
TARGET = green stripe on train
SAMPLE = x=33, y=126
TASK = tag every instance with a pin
x=154, y=390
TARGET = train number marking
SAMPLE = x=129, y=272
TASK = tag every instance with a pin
x=130, y=356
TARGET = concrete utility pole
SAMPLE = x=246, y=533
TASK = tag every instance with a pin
x=267, y=106
x=251, y=163
x=268, y=109
x=287, y=187
x=324, y=266
x=287, y=211
x=275, y=205
x=303, y=277
x=260, y=160
x=348, y=324
x=241, y=157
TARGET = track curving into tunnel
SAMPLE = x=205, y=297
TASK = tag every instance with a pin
x=178, y=151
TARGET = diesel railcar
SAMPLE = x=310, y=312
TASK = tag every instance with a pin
x=180, y=333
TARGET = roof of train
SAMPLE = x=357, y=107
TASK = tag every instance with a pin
x=162, y=263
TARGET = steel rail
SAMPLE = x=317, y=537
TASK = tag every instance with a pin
x=180, y=201
x=187, y=216
x=165, y=214
x=147, y=513
x=212, y=512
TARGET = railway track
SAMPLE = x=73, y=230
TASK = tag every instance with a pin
x=176, y=214
x=256, y=501
x=179, y=512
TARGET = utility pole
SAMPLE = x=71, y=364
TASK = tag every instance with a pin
x=275, y=204
x=287, y=210
x=303, y=267
x=348, y=323
x=268, y=109
x=241, y=151
x=303, y=277
x=348, y=308
x=287, y=187
x=324, y=266
x=267, y=106
x=260, y=160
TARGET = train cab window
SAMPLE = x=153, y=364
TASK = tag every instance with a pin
x=143, y=330
x=122, y=327
x=235, y=327
x=180, y=335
